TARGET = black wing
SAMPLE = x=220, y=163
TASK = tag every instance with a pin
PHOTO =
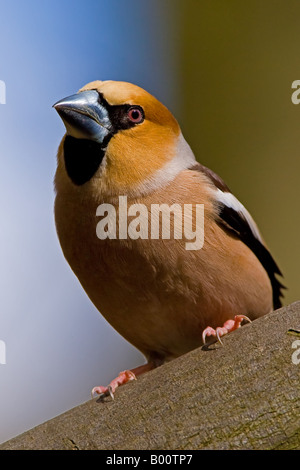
x=236, y=222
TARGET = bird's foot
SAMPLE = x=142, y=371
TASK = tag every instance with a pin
x=229, y=325
x=123, y=377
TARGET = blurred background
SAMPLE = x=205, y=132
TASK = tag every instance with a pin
x=225, y=69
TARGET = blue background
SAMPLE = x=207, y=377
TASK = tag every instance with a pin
x=57, y=344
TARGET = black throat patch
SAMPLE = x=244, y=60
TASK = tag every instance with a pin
x=82, y=158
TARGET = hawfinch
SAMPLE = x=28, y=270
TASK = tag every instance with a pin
x=123, y=160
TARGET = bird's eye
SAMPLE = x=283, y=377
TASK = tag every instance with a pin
x=135, y=115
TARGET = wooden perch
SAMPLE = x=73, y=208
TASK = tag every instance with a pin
x=244, y=395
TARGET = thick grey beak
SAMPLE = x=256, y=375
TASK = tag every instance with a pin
x=84, y=117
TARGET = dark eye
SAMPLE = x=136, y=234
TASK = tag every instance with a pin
x=135, y=115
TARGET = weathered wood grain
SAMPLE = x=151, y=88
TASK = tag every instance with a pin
x=245, y=395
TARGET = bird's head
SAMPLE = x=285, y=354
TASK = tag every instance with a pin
x=120, y=138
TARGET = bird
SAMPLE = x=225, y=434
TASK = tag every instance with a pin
x=123, y=144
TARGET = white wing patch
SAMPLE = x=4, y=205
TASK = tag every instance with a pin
x=231, y=201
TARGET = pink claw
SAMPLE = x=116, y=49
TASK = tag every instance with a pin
x=123, y=378
x=229, y=325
